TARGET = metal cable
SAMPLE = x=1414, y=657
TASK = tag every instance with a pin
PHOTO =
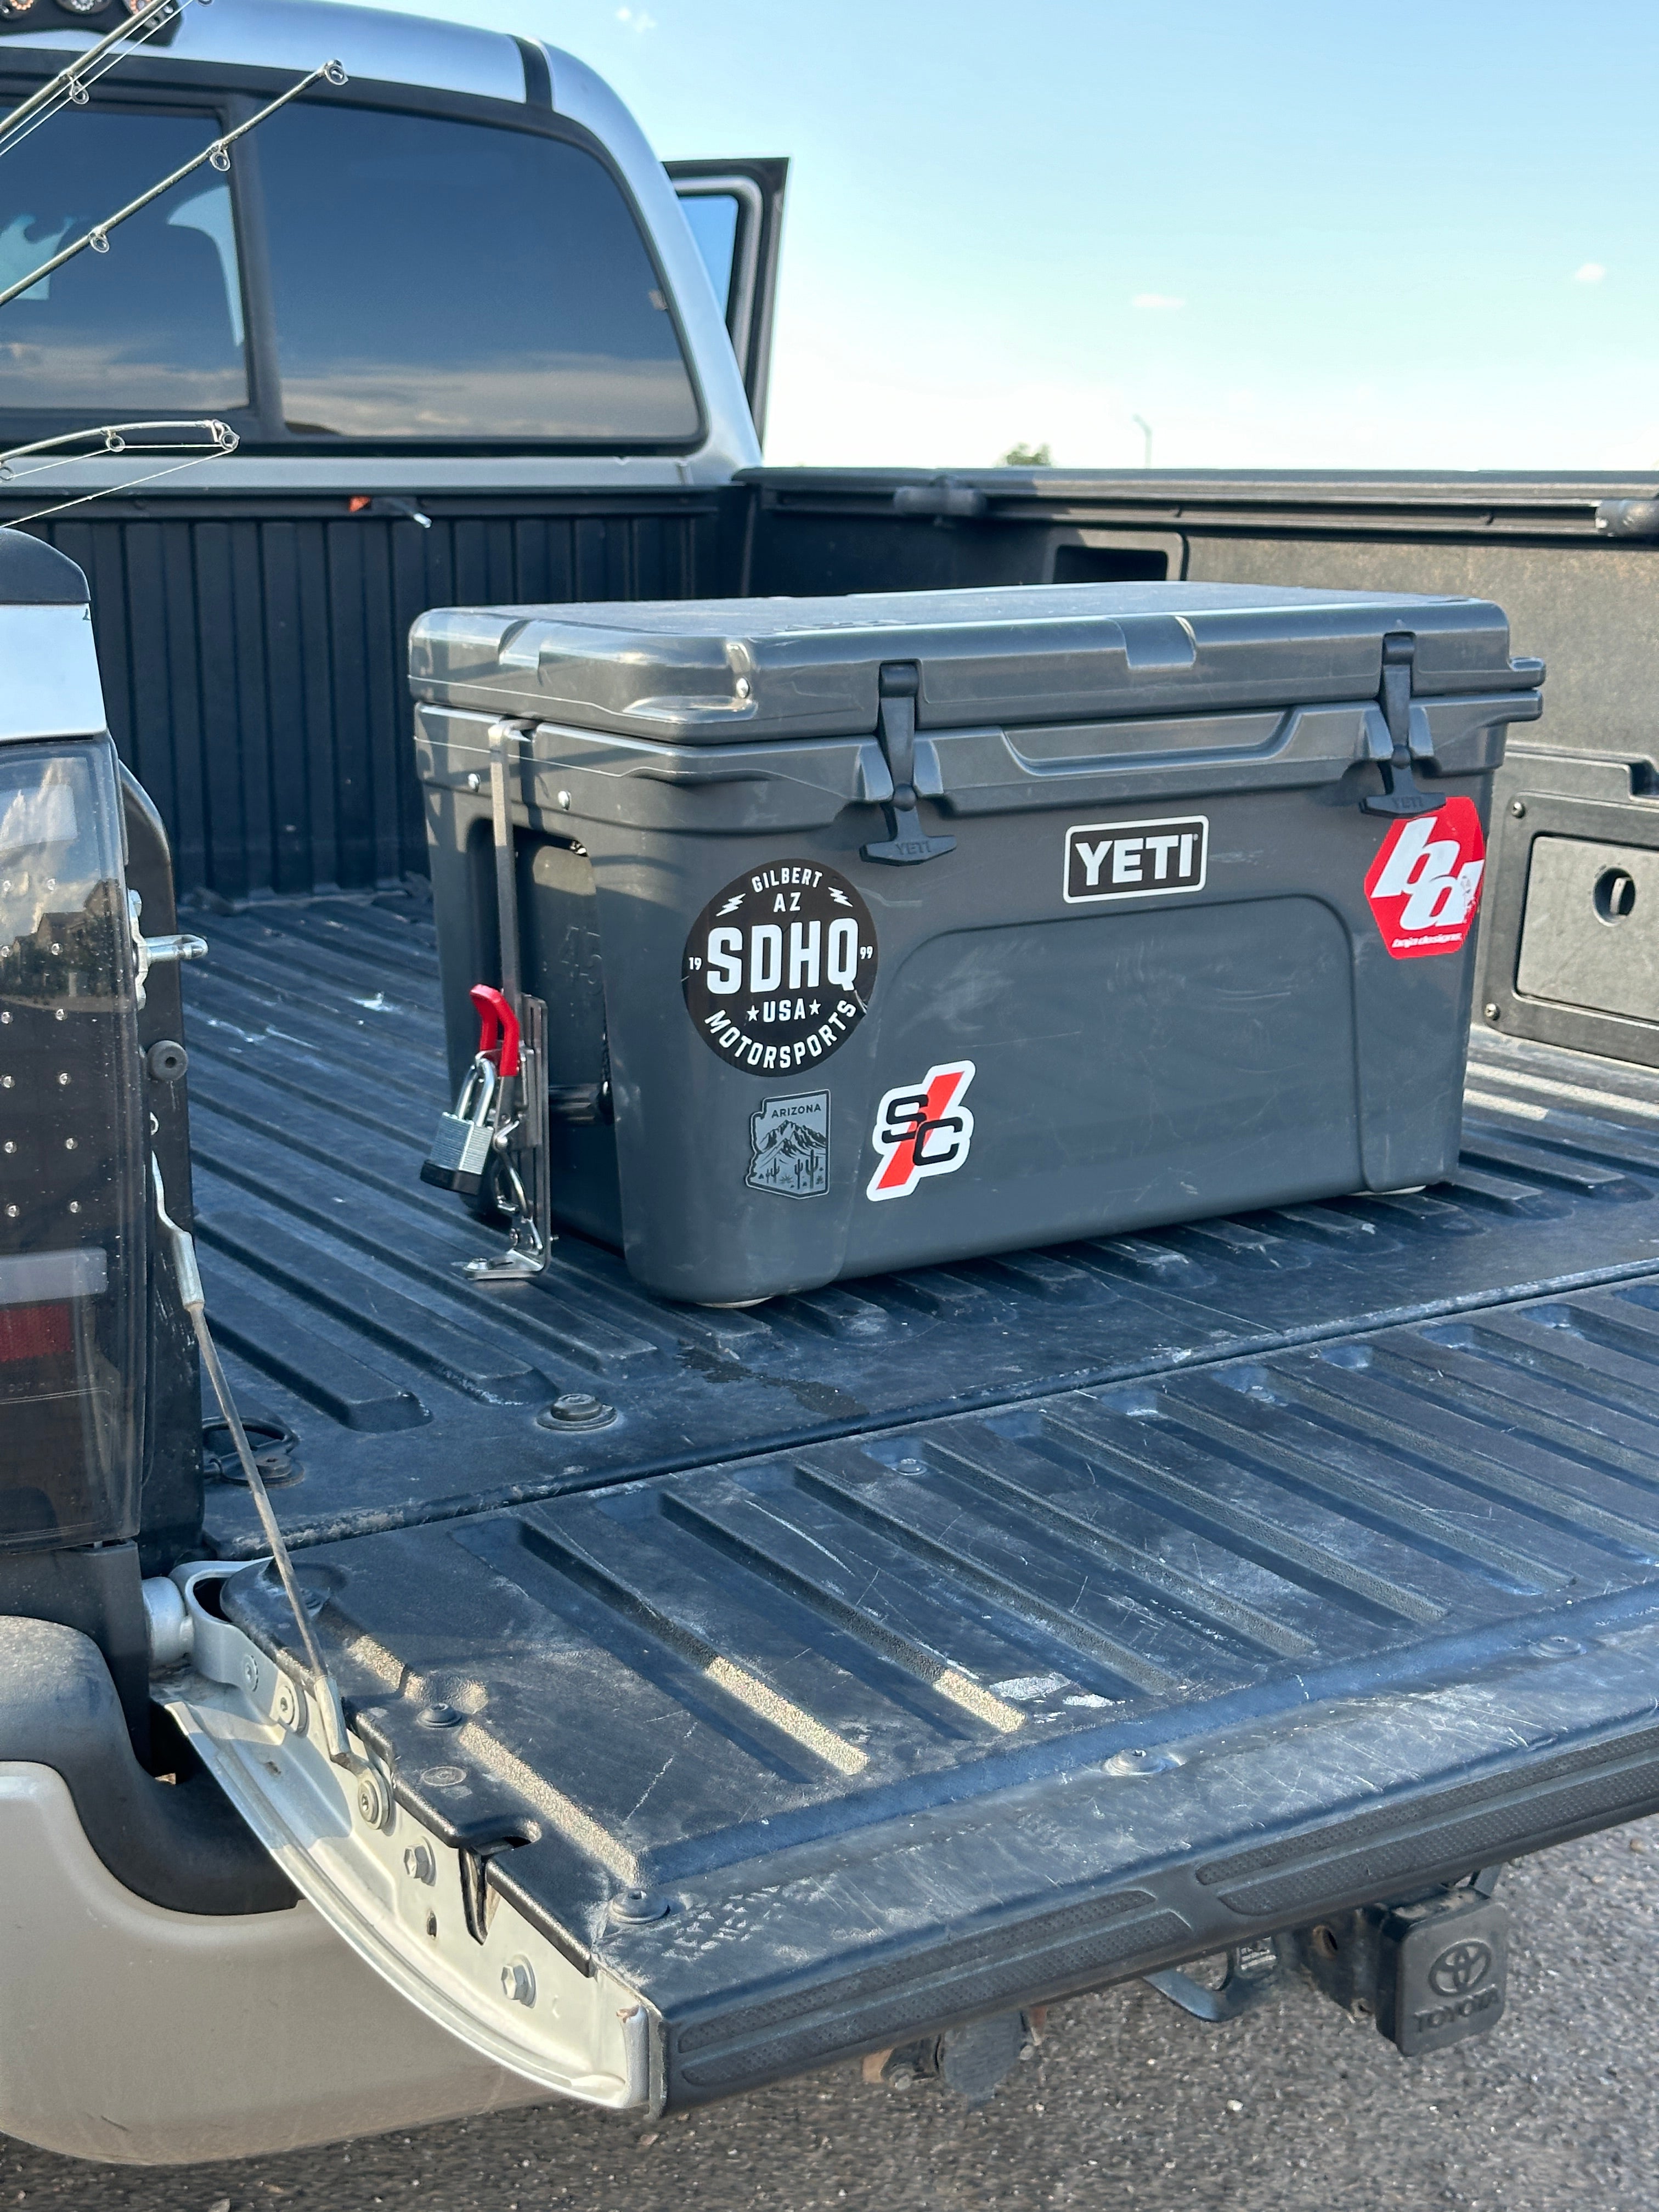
x=194, y=1300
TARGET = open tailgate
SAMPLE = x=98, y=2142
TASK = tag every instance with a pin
x=669, y=1788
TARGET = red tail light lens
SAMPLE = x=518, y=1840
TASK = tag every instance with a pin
x=29, y=1333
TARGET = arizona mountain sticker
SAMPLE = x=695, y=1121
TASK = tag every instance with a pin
x=778, y=967
x=789, y=1146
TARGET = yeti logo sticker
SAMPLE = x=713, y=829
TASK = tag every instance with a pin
x=921, y=1129
x=789, y=1139
x=1135, y=859
x=778, y=968
x=1424, y=884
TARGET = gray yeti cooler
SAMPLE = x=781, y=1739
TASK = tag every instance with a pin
x=885, y=930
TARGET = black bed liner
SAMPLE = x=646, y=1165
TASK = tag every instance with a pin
x=317, y=1073
x=973, y=1712
x=940, y=1644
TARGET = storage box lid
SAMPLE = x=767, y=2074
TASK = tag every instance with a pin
x=701, y=670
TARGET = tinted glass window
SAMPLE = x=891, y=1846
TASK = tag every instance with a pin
x=154, y=323
x=714, y=220
x=447, y=280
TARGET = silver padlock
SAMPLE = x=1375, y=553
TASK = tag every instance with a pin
x=461, y=1149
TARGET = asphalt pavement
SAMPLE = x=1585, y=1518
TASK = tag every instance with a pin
x=1127, y=2103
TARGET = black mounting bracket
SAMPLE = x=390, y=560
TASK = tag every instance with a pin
x=1252, y=1976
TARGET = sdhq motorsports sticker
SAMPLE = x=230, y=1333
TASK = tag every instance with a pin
x=779, y=966
x=1424, y=884
x=921, y=1129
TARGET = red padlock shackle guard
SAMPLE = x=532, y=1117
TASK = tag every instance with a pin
x=497, y=1018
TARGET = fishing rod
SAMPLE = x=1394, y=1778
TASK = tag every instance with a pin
x=216, y=437
x=115, y=438
x=71, y=85
x=218, y=154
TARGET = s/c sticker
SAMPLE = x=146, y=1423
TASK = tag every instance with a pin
x=1424, y=884
x=778, y=967
x=1135, y=859
x=921, y=1129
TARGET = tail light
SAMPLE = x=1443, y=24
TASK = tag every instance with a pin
x=32, y=1335
x=72, y=1190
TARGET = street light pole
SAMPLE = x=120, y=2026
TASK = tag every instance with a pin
x=1146, y=429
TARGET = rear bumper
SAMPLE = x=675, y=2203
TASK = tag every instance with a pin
x=143, y=2036
x=278, y=2035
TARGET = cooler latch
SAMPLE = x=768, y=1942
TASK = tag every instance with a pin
x=906, y=842
x=1405, y=735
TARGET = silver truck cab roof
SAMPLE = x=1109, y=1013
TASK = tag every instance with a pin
x=386, y=50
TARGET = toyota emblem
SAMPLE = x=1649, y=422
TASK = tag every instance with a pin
x=1460, y=1968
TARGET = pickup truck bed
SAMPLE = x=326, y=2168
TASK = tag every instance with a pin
x=939, y=1642
x=317, y=1075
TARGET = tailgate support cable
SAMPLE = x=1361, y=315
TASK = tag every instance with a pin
x=194, y=1300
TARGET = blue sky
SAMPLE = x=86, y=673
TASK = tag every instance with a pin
x=1287, y=234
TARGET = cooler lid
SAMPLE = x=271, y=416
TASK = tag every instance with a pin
x=699, y=671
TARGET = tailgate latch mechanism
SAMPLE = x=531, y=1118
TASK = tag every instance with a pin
x=1405, y=735
x=149, y=952
x=907, y=843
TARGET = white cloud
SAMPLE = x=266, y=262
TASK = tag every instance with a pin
x=636, y=20
x=1591, y=272
x=1156, y=301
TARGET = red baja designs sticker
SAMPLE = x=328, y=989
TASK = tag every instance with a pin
x=1424, y=884
x=921, y=1129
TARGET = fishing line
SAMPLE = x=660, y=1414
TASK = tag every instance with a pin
x=71, y=86
x=217, y=438
x=113, y=491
